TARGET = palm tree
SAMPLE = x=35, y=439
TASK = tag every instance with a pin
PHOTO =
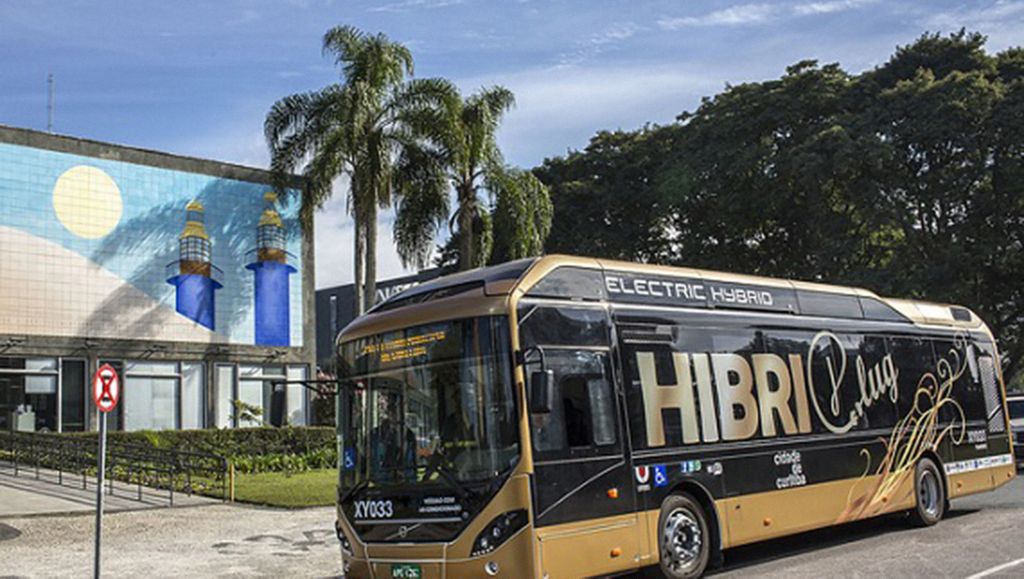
x=466, y=147
x=370, y=128
x=473, y=156
x=522, y=215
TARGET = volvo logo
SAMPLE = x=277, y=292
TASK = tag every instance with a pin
x=403, y=531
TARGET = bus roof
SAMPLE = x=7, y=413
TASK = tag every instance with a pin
x=523, y=276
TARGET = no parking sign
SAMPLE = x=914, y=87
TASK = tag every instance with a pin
x=106, y=388
x=106, y=391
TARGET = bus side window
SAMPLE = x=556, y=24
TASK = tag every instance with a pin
x=589, y=412
x=574, y=341
x=871, y=351
x=988, y=373
x=914, y=359
x=575, y=406
x=602, y=409
x=548, y=428
x=967, y=390
x=583, y=414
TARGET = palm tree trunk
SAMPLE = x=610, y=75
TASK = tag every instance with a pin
x=467, y=240
x=371, y=257
x=358, y=258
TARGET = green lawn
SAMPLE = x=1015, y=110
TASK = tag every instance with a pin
x=278, y=489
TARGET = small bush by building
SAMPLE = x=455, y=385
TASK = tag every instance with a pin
x=250, y=450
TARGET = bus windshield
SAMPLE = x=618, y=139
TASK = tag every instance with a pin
x=430, y=403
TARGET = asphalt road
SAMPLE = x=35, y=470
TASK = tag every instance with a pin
x=980, y=533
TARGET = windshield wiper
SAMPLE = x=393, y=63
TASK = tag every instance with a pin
x=438, y=465
x=355, y=489
x=448, y=474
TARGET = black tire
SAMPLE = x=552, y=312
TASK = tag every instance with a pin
x=930, y=494
x=684, y=538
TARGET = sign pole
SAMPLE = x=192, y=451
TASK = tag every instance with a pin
x=102, y=460
x=106, y=391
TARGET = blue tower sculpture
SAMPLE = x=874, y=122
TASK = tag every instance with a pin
x=271, y=269
x=194, y=283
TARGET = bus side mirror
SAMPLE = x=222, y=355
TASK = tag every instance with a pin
x=542, y=391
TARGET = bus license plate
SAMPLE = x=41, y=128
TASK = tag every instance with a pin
x=406, y=571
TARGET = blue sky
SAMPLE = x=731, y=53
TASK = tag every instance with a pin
x=197, y=78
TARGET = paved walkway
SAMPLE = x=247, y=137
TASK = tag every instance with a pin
x=50, y=494
x=222, y=540
x=199, y=537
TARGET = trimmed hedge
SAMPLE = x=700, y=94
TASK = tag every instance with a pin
x=261, y=449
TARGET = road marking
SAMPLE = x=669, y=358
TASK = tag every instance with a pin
x=996, y=569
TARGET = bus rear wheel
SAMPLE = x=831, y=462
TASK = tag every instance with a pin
x=684, y=542
x=930, y=493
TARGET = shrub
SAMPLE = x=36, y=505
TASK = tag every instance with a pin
x=251, y=450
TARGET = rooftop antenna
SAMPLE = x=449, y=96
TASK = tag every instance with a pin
x=49, y=104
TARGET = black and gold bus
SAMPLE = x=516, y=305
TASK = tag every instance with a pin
x=571, y=417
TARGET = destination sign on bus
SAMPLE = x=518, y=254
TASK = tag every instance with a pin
x=403, y=348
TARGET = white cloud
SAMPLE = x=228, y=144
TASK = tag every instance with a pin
x=1001, y=21
x=755, y=14
x=562, y=107
x=245, y=17
x=733, y=16
x=334, y=238
x=615, y=33
x=229, y=143
x=598, y=43
x=829, y=7
x=405, y=5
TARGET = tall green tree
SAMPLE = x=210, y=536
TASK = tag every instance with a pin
x=472, y=156
x=775, y=171
x=500, y=213
x=907, y=179
x=521, y=216
x=372, y=128
x=607, y=201
x=950, y=178
x=514, y=227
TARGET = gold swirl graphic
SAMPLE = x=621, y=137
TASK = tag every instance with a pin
x=913, y=435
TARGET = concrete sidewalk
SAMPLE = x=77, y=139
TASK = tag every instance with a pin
x=26, y=495
x=224, y=540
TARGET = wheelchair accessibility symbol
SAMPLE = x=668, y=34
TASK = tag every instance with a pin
x=660, y=476
x=349, y=459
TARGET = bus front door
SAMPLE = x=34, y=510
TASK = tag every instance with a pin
x=583, y=496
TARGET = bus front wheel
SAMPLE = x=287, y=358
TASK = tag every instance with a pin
x=930, y=493
x=684, y=541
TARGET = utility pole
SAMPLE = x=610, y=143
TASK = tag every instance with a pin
x=49, y=104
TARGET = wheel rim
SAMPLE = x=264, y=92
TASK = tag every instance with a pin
x=681, y=540
x=928, y=494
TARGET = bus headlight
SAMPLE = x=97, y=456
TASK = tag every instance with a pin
x=345, y=544
x=498, y=531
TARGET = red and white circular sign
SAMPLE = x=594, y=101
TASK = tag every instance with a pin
x=106, y=388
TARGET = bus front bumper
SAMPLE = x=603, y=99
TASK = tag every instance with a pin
x=514, y=558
